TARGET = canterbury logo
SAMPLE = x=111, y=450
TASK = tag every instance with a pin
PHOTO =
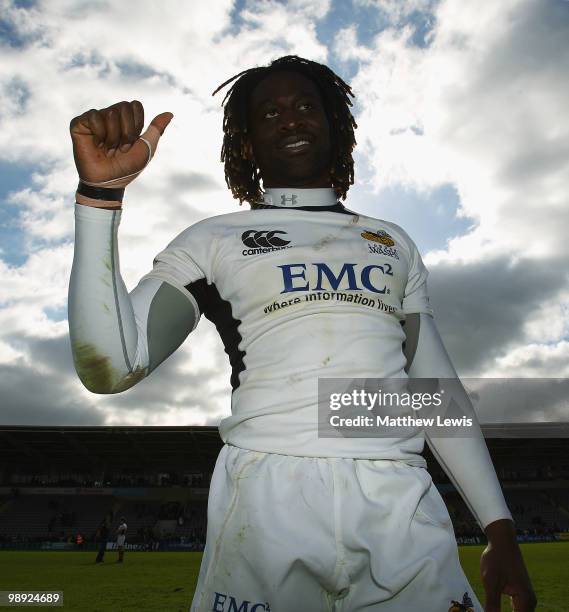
x=264, y=238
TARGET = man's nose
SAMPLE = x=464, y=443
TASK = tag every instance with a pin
x=291, y=120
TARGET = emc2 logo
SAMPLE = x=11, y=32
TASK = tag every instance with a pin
x=228, y=603
x=292, y=272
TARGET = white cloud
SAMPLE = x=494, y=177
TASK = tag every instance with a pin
x=482, y=107
x=27, y=290
x=535, y=361
x=346, y=46
x=471, y=109
x=72, y=56
x=8, y=354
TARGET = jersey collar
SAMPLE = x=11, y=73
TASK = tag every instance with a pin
x=296, y=198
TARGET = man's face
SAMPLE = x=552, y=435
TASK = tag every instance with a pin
x=289, y=132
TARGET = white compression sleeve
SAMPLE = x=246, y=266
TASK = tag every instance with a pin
x=117, y=338
x=465, y=460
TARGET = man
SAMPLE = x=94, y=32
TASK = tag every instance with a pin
x=296, y=522
x=121, y=538
x=101, y=537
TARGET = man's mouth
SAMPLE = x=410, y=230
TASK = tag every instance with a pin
x=297, y=144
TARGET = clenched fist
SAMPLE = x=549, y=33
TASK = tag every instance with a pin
x=108, y=146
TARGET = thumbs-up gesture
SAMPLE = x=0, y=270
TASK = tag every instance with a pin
x=108, y=146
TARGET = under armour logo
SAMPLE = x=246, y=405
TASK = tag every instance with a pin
x=292, y=199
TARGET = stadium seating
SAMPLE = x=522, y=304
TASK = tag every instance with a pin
x=53, y=517
x=157, y=478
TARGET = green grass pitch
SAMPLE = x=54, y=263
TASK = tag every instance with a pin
x=166, y=581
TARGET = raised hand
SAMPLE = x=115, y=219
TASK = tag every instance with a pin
x=108, y=146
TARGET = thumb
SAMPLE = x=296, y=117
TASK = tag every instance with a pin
x=156, y=129
x=161, y=121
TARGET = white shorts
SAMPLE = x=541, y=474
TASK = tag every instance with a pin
x=120, y=541
x=299, y=534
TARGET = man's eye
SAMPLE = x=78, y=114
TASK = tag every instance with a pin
x=305, y=106
x=271, y=114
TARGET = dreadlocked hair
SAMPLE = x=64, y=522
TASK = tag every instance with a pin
x=242, y=174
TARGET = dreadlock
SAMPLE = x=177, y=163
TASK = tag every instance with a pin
x=241, y=174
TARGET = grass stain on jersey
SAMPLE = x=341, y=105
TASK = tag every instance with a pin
x=130, y=380
x=324, y=242
x=94, y=369
x=294, y=378
x=242, y=534
x=96, y=372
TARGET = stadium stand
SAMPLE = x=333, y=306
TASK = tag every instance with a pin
x=44, y=517
x=56, y=482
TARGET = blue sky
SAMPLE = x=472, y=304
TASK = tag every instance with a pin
x=13, y=177
x=462, y=139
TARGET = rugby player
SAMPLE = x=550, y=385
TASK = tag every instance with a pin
x=296, y=522
x=121, y=539
x=101, y=537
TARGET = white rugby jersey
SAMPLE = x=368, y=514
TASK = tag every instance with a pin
x=315, y=291
x=296, y=294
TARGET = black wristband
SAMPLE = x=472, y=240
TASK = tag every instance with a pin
x=100, y=193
